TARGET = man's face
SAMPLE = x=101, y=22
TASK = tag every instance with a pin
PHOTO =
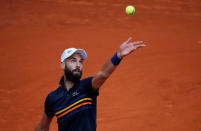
x=73, y=68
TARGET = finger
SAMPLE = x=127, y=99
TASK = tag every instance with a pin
x=137, y=42
x=137, y=46
x=126, y=42
x=129, y=39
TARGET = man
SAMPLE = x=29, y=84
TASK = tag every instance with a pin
x=74, y=101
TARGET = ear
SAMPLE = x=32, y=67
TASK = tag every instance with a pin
x=62, y=65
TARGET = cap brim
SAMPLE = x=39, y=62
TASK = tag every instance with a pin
x=82, y=53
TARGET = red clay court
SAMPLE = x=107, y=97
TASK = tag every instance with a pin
x=157, y=88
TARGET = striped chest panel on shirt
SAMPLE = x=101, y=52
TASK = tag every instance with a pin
x=82, y=102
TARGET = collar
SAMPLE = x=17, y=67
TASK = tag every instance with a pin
x=61, y=82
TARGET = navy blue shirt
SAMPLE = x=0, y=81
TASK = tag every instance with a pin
x=75, y=109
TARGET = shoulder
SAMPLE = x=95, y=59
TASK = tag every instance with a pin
x=50, y=101
x=87, y=80
x=86, y=85
x=54, y=95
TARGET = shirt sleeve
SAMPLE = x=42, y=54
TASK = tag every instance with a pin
x=48, y=109
x=90, y=88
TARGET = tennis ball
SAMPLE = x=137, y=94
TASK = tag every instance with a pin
x=130, y=10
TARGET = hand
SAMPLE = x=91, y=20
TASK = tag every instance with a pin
x=127, y=47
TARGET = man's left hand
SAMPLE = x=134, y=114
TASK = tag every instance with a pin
x=127, y=47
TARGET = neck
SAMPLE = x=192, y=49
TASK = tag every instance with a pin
x=68, y=84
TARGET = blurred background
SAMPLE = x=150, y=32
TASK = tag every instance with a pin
x=156, y=88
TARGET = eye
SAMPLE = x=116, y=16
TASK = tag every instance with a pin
x=81, y=61
x=73, y=60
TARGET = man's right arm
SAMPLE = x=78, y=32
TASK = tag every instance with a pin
x=44, y=124
x=125, y=49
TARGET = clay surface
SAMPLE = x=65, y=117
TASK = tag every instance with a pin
x=157, y=88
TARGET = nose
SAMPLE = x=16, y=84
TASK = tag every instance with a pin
x=78, y=65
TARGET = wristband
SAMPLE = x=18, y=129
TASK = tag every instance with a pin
x=115, y=60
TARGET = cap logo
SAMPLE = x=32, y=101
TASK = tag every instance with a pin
x=69, y=51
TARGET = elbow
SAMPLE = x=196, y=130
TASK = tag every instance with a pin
x=39, y=128
x=99, y=79
x=104, y=75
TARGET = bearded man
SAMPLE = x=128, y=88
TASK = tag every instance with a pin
x=74, y=101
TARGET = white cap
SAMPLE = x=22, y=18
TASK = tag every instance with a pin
x=70, y=51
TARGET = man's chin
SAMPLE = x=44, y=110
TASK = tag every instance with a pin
x=77, y=75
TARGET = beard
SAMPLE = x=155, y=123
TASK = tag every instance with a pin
x=70, y=76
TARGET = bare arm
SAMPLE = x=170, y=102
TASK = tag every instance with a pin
x=125, y=49
x=44, y=124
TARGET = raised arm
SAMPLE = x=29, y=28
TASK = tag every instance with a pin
x=125, y=49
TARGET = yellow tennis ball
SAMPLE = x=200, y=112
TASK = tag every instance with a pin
x=130, y=10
